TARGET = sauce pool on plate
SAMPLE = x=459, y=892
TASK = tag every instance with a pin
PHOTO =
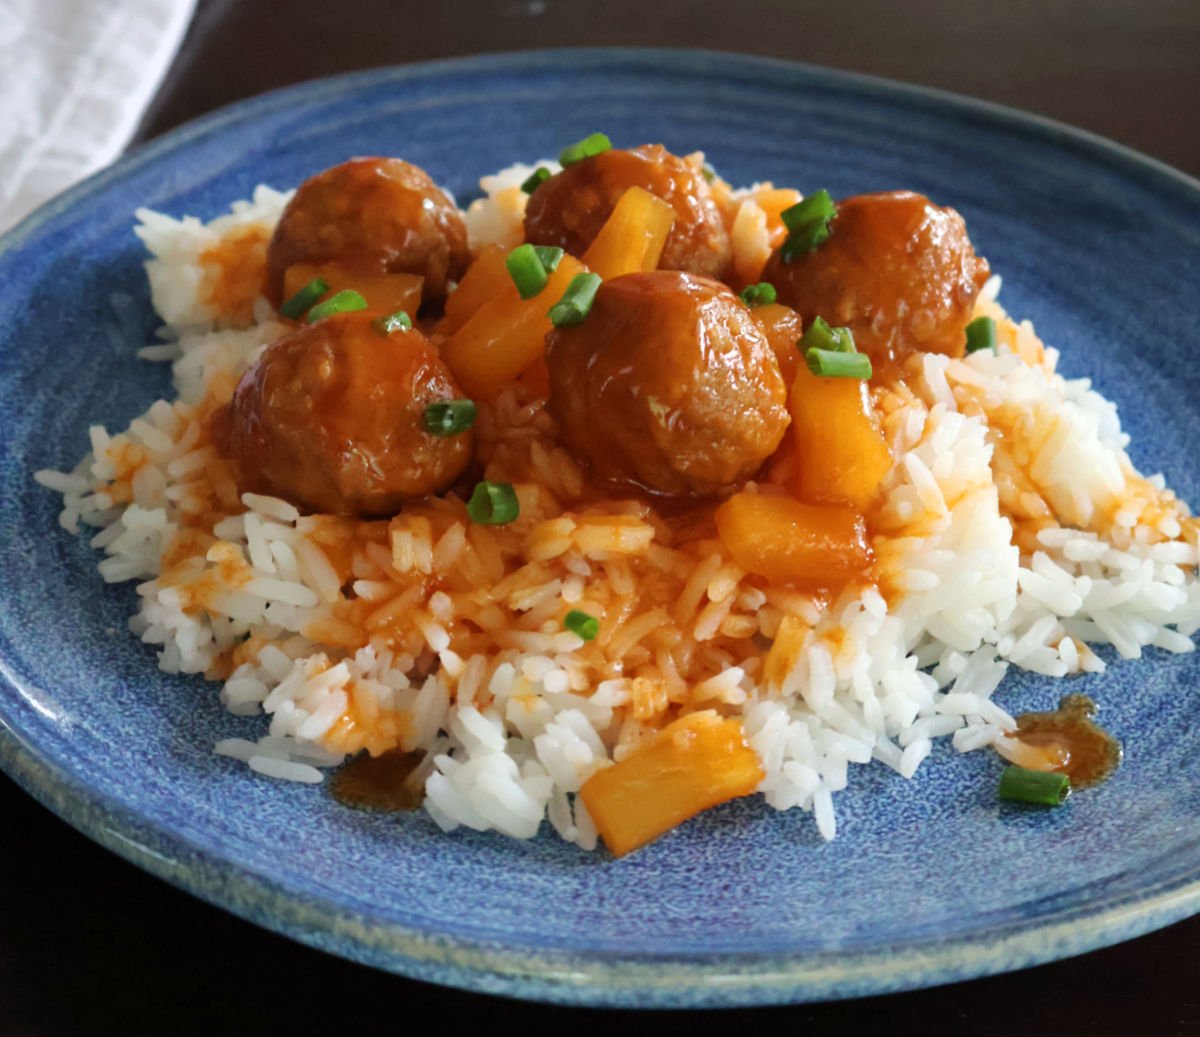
x=1079, y=747
x=383, y=783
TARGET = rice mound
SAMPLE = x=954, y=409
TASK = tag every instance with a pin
x=1016, y=532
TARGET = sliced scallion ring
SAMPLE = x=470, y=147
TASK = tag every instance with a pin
x=448, y=418
x=304, y=299
x=819, y=335
x=1047, y=788
x=493, y=504
x=526, y=270
x=398, y=321
x=830, y=364
x=761, y=294
x=981, y=334
x=535, y=179
x=346, y=301
x=591, y=145
x=581, y=624
x=576, y=301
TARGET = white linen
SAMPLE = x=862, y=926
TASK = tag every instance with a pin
x=77, y=76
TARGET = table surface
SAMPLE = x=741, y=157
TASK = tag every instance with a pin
x=91, y=944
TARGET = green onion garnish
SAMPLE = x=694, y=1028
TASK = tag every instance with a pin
x=294, y=308
x=817, y=206
x=550, y=255
x=535, y=179
x=808, y=224
x=1048, y=788
x=345, y=301
x=981, y=334
x=761, y=294
x=580, y=623
x=808, y=237
x=576, y=300
x=493, y=504
x=592, y=144
x=398, y=321
x=819, y=335
x=449, y=418
x=708, y=172
x=526, y=271
x=829, y=363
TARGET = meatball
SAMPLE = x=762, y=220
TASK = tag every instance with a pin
x=330, y=418
x=569, y=209
x=380, y=214
x=668, y=385
x=897, y=270
x=783, y=328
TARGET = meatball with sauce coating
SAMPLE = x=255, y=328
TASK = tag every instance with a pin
x=383, y=215
x=330, y=418
x=569, y=209
x=668, y=385
x=899, y=271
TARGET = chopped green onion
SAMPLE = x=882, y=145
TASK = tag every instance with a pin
x=493, y=504
x=535, y=179
x=591, y=145
x=529, y=266
x=550, y=255
x=761, y=294
x=808, y=224
x=708, y=172
x=981, y=334
x=576, y=301
x=579, y=622
x=817, y=206
x=398, y=321
x=526, y=271
x=808, y=237
x=345, y=301
x=829, y=363
x=294, y=308
x=1048, y=788
x=820, y=335
x=449, y=418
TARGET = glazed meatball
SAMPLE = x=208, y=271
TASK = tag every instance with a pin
x=569, y=209
x=380, y=214
x=330, y=418
x=783, y=327
x=668, y=385
x=899, y=271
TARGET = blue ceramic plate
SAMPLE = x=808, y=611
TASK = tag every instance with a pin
x=928, y=882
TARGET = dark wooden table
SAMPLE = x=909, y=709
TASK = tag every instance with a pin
x=89, y=944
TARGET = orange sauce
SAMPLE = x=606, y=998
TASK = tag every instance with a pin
x=237, y=265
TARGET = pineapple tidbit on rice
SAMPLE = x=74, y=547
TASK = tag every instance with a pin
x=601, y=541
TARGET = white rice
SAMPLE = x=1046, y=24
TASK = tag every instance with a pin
x=865, y=681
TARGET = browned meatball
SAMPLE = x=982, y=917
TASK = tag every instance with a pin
x=669, y=385
x=569, y=209
x=330, y=418
x=783, y=327
x=899, y=271
x=378, y=214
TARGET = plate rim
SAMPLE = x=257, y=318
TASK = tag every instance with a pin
x=575, y=976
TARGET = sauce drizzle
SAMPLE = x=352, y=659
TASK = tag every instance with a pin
x=381, y=783
x=1086, y=752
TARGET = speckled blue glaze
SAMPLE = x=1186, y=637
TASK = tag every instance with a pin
x=929, y=882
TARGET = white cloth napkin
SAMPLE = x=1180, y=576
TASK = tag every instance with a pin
x=77, y=76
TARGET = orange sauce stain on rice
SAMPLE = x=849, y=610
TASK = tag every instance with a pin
x=366, y=725
x=236, y=267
